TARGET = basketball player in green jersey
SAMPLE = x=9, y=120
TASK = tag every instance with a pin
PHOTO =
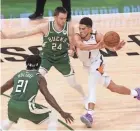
x=57, y=46
x=26, y=84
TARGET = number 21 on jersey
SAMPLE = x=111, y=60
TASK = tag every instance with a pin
x=21, y=86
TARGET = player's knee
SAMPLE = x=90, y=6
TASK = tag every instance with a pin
x=106, y=81
x=42, y=71
x=112, y=86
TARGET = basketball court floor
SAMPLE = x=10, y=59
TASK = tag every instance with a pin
x=113, y=111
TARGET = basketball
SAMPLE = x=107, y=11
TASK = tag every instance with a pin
x=111, y=39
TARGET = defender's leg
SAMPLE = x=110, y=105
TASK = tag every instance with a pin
x=65, y=68
x=45, y=66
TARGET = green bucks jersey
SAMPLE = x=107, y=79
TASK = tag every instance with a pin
x=25, y=85
x=55, y=44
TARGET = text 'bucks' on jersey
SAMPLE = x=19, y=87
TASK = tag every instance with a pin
x=25, y=85
x=55, y=43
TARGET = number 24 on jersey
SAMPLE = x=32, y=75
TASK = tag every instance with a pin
x=55, y=47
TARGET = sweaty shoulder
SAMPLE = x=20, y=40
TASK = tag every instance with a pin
x=19, y=72
x=99, y=36
x=77, y=36
x=40, y=77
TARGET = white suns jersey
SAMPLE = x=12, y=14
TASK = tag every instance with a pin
x=87, y=57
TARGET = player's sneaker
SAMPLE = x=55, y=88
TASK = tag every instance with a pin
x=87, y=119
x=138, y=90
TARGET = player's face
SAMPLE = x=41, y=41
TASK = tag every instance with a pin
x=84, y=30
x=61, y=19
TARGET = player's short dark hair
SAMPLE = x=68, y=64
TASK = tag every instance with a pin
x=86, y=21
x=33, y=62
x=60, y=10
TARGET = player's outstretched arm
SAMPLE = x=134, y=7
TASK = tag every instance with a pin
x=118, y=47
x=79, y=44
x=24, y=33
x=71, y=40
x=70, y=36
x=99, y=38
x=9, y=84
x=51, y=100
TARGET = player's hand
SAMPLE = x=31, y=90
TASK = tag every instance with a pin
x=71, y=53
x=67, y=116
x=120, y=45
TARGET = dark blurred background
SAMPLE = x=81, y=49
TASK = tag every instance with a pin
x=20, y=8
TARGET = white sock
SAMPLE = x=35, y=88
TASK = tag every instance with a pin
x=6, y=124
x=91, y=112
x=53, y=121
x=134, y=92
